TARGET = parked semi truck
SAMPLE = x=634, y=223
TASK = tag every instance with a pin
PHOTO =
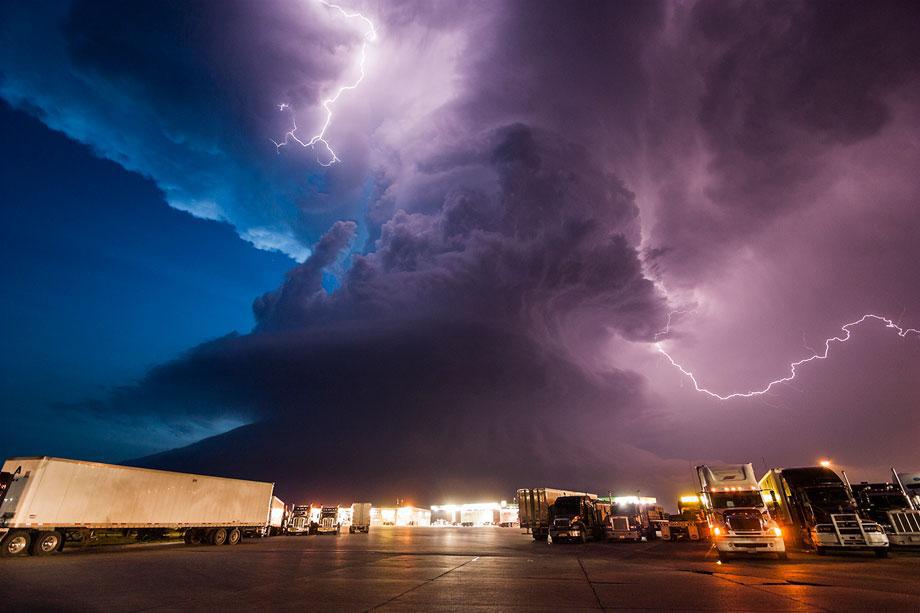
x=302, y=521
x=911, y=484
x=577, y=518
x=533, y=508
x=689, y=523
x=329, y=521
x=889, y=505
x=738, y=519
x=632, y=518
x=47, y=501
x=360, y=517
x=815, y=509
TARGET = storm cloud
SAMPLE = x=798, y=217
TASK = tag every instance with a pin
x=527, y=190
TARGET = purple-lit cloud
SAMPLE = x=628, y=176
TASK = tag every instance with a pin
x=526, y=190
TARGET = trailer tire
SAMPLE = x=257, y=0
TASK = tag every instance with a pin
x=234, y=536
x=192, y=536
x=881, y=553
x=15, y=543
x=217, y=536
x=47, y=543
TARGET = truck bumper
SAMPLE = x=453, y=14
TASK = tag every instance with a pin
x=619, y=535
x=905, y=539
x=874, y=540
x=568, y=533
x=751, y=544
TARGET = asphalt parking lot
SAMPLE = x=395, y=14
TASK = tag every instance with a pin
x=450, y=569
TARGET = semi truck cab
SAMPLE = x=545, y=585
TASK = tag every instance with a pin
x=738, y=518
x=887, y=504
x=632, y=519
x=576, y=518
x=689, y=522
x=329, y=521
x=818, y=511
x=299, y=522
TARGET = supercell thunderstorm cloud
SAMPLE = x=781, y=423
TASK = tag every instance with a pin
x=509, y=223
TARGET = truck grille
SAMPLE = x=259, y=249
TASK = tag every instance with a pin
x=848, y=528
x=905, y=521
x=561, y=523
x=744, y=522
x=621, y=524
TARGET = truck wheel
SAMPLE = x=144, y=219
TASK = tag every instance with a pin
x=15, y=543
x=584, y=538
x=820, y=551
x=782, y=556
x=881, y=553
x=234, y=536
x=192, y=536
x=723, y=556
x=217, y=536
x=47, y=543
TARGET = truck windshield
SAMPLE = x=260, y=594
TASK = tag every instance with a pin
x=728, y=500
x=887, y=502
x=566, y=507
x=829, y=498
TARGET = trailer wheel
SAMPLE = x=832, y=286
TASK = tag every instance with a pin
x=192, y=536
x=15, y=543
x=217, y=536
x=47, y=543
x=234, y=536
x=881, y=553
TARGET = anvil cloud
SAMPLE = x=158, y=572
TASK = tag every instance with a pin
x=526, y=190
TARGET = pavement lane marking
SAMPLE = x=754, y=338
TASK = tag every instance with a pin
x=600, y=605
x=423, y=583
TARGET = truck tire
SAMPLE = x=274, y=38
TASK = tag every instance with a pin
x=881, y=553
x=192, y=536
x=723, y=556
x=15, y=543
x=820, y=551
x=234, y=536
x=782, y=556
x=47, y=543
x=217, y=536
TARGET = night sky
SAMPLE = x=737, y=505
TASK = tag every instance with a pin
x=531, y=201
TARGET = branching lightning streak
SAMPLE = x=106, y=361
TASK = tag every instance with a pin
x=902, y=332
x=320, y=137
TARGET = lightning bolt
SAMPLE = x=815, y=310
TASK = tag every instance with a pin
x=902, y=332
x=320, y=137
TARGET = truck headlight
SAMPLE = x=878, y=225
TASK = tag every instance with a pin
x=717, y=531
x=777, y=531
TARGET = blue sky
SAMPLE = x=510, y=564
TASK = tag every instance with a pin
x=100, y=281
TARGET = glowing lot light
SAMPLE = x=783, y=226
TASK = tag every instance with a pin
x=634, y=500
x=825, y=463
x=690, y=499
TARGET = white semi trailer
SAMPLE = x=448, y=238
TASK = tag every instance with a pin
x=48, y=500
x=360, y=517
